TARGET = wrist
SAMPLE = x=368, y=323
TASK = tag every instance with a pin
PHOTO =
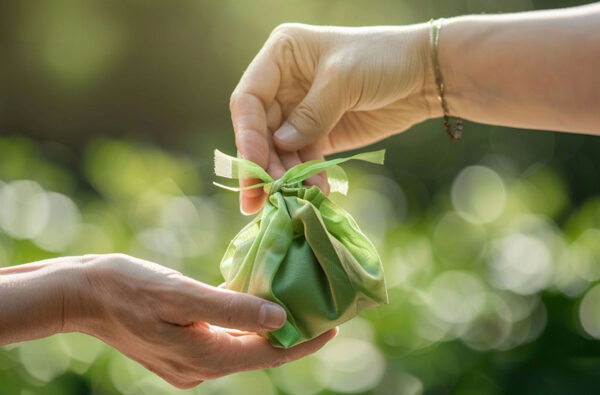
x=454, y=46
x=81, y=308
x=35, y=299
x=429, y=89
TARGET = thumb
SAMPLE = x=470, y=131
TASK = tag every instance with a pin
x=313, y=117
x=234, y=310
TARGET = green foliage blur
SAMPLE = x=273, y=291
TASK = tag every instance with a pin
x=109, y=113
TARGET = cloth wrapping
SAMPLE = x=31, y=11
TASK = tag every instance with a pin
x=302, y=251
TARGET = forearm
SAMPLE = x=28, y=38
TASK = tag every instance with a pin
x=33, y=298
x=538, y=70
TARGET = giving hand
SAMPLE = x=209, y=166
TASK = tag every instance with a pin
x=314, y=90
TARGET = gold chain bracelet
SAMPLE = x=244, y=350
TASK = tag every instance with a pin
x=436, y=26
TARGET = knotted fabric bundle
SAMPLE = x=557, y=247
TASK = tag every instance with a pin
x=302, y=251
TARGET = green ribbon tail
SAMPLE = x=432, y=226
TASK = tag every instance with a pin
x=237, y=168
x=238, y=189
x=337, y=176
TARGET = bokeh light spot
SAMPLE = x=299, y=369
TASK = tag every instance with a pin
x=456, y=297
x=62, y=223
x=589, y=312
x=298, y=378
x=251, y=383
x=350, y=365
x=44, y=359
x=584, y=255
x=478, y=194
x=24, y=209
x=521, y=263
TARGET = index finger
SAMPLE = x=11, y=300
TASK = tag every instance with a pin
x=249, y=102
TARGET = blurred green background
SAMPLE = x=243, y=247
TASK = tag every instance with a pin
x=109, y=113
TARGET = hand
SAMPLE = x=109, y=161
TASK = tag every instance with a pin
x=314, y=90
x=159, y=318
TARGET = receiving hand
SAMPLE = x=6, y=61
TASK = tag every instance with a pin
x=160, y=318
x=314, y=90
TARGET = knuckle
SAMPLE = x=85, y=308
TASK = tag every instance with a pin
x=248, y=121
x=336, y=67
x=331, y=68
x=119, y=257
x=231, y=309
x=308, y=116
x=288, y=29
x=234, y=100
x=243, y=106
x=284, y=37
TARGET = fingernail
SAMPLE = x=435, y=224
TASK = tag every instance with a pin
x=326, y=188
x=271, y=316
x=287, y=133
x=242, y=208
x=323, y=183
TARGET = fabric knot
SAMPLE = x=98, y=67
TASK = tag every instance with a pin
x=237, y=168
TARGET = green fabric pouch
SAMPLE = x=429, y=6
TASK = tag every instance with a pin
x=302, y=251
